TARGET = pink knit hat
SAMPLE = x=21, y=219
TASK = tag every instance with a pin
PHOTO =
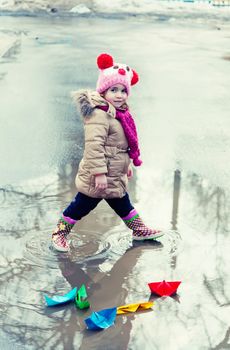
x=114, y=73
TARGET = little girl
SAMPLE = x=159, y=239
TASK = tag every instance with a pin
x=110, y=142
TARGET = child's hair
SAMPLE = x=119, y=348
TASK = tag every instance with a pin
x=114, y=73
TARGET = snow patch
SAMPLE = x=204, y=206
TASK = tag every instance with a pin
x=129, y=7
x=7, y=44
x=81, y=9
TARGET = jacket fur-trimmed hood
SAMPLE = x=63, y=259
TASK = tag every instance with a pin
x=87, y=100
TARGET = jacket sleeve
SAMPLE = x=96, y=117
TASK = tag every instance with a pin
x=96, y=132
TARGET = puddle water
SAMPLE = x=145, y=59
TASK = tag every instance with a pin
x=183, y=187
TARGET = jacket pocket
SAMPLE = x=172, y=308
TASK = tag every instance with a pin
x=115, y=167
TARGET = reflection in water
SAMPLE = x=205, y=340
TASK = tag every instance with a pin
x=217, y=289
x=105, y=260
x=24, y=209
x=175, y=235
x=100, y=259
x=176, y=195
x=225, y=343
x=208, y=210
x=211, y=204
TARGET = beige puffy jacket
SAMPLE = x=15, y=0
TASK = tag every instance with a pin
x=105, y=147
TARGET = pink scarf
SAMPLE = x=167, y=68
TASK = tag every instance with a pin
x=130, y=131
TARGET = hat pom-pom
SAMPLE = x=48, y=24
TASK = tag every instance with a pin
x=135, y=77
x=137, y=161
x=104, y=61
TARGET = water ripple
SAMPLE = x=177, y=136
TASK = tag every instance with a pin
x=38, y=249
x=89, y=246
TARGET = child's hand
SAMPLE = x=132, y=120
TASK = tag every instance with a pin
x=130, y=172
x=101, y=182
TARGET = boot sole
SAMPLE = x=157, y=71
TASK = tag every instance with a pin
x=153, y=237
x=60, y=249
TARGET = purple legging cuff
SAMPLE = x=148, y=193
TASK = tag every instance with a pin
x=69, y=220
x=130, y=215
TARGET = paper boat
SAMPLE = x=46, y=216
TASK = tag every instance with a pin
x=164, y=288
x=101, y=319
x=81, y=300
x=134, y=307
x=61, y=299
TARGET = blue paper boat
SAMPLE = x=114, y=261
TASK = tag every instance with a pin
x=61, y=299
x=101, y=319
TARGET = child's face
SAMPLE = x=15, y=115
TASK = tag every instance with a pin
x=116, y=95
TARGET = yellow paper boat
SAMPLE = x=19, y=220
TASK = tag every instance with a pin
x=134, y=307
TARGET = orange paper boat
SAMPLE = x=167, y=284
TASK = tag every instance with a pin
x=164, y=288
x=134, y=307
